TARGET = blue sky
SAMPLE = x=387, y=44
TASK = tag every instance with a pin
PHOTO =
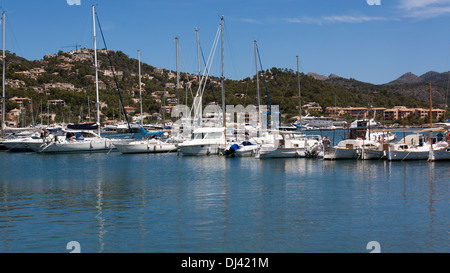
x=350, y=38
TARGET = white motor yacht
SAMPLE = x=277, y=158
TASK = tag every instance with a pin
x=204, y=141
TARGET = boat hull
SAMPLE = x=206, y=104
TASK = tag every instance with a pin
x=368, y=154
x=21, y=146
x=443, y=154
x=93, y=146
x=145, y=147
x=280, y=153
x=196, y=150
x=333, y=153
x=407, y=155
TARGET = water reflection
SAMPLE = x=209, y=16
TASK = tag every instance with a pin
x=165, y=203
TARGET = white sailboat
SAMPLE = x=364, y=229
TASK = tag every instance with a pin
x=87, y=143
x=151, y=143
x=352, y=147
x=415, y=147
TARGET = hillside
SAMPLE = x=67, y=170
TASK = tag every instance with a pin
x=408, y=85
x=69, y=76
x=417, y=86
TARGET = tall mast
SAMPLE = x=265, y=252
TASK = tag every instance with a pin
x=198, y=53
x=299, y=98
x=3, y=83
x=96, y=69
x=431, y=155
x=222, y=80
x=257, y=74
x=140, y=88
x=178, y=73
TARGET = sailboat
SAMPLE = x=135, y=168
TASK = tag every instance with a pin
x=287, y=143
x=419, y=146
x=351, y=148
x=83, y=141
x=416, y=147
x=3, y=85
x=207, y=140
x=444, y=152
x=151, y=143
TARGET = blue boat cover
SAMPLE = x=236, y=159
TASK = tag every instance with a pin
x=235, y=147
x=145, y=133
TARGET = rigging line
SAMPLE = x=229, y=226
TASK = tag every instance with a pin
x=10, y=27
x=185, y=70
x=233, y=59
x=210, y=60
x=249, y=71
x=203, y=57
x=264, y=79
x=202, y=85
x=112, y=69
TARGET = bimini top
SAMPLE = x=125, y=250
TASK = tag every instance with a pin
x=208, y=130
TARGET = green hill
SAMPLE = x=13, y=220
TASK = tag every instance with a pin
x=69, y=76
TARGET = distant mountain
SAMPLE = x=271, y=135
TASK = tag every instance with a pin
x=408, y=84
x=430, y=76
x=418, y=86
x=406, y=78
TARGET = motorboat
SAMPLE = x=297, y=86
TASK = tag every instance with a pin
x=242, y=149
x=286, y=144
x=204, y=141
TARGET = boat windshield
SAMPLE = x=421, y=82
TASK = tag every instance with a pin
x=196, y=136
x=213, y=135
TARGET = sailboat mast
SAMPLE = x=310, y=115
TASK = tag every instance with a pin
x=140, y=88
x=299, y=98
x=222, y=80
x=431, y=156
x=257, y=74
x=96, y=69
x=198, y=53
x=178, y=73
x=431, y=108
x=3, y=82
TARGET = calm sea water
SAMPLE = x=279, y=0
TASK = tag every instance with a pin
x=169, y=203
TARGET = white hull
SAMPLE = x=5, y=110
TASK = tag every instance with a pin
x=86, y=146
x=440, y=151
x=332, y=153
x=246, y=151
x=22, y=145
x=368, y=154
x=443, y=154
x=280, y=153
x=407, y=155
x=204, y=149
x=136, y=147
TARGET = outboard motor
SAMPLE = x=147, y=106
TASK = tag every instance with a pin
x=232, y=150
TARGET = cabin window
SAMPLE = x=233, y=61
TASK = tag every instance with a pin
x=214, y=135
